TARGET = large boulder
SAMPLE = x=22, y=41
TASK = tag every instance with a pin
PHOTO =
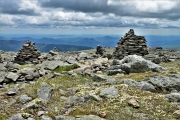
x=167, y=83
x=134, y=64
x=143, y=85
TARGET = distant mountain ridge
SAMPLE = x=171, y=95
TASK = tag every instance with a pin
x=13, y=45
x=77, y=41
x=167, y=42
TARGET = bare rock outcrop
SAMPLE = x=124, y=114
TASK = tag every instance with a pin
x=130, y=44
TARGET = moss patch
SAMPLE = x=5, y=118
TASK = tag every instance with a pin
x=60, y=69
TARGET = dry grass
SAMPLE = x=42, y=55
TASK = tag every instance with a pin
x=152, y=105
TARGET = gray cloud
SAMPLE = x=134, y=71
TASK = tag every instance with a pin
x=128, y=8
x=13, y=7
x=88, y=13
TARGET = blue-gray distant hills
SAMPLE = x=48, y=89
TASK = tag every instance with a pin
x=14, y=45
x=74, y=43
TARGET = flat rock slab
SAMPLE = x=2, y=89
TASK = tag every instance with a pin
x=12, y=76
x=109, y=92
x=52, y=65
x=45, y=92
x=165, y=82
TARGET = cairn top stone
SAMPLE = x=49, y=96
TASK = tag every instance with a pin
x=130, y=44
x=27, y=54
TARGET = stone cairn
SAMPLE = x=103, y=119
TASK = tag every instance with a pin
x=100, y=50
x=55, y=49
x=27, y=54
x=130, y=44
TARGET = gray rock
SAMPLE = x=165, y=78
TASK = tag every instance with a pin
x=52, y=65
x=12, y=91
x=40, y=113
x=62, y=92
x=30, y=119
x=83, y=56
x=2, y=67
x=12, y=76
x=74, y=99
x=135, y=64
x=16, y=117
x=116, y=71
x=30, y=73
x=165, y=82
x=30, y=105
x=46, y=118
x=53, y=52
x=93, y=97
x=99, y=78
x=24, y=98
x=103, y=78
x=63, y=117
x=12, y=65
x=2, y=76
x=109, y=92
x=143, y=85
x=89, y=117
x=45, y=92
x=173, y=97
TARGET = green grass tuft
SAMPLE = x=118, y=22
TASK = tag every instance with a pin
x=60, y=69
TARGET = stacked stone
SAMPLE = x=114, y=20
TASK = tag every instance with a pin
x=27, y=54
x=100, y=50
x=55, y=49
x=130, y=44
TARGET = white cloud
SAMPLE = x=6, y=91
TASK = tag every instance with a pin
x=96, y=14
x=6, y=20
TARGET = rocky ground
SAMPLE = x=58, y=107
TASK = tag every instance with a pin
x=84, y=86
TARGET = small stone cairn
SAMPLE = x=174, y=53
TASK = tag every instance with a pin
x=130, y=44
x=27, y=54
x=55, y=49
x=100, y=50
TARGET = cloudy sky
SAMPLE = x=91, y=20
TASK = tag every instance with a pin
x=90, y=16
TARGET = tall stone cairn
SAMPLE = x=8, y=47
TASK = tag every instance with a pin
x=27, y=54
x=130, y=44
